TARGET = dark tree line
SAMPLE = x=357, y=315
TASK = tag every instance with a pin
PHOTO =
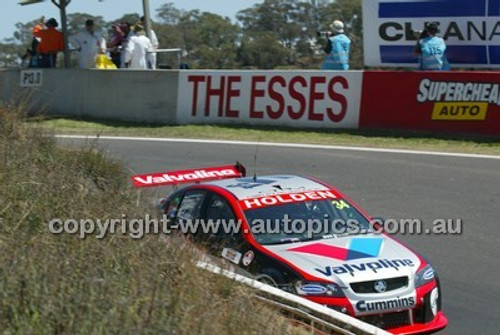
x=273, y=34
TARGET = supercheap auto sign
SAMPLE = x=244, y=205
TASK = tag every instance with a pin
x=463, y=102
x=471, y=29
x=324, y=99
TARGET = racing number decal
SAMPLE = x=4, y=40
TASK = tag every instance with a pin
x=340, y=204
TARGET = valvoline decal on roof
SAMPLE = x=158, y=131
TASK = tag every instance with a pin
x=284, y=198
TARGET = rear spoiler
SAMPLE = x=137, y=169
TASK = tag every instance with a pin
x=189, y=176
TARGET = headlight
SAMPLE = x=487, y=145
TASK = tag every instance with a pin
x=424, y=276
x=434, y=301
x=319, y=289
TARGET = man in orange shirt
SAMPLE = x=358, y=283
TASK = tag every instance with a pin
x=51, y=43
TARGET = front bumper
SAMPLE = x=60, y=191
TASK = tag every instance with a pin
x=417, y=320
x=439, y=322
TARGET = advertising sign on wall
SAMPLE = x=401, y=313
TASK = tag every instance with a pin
x=471, y=29
x=271, y=98
x=455, y=102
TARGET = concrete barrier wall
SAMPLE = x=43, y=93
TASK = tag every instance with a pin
x=128, y=95
x=451, y=101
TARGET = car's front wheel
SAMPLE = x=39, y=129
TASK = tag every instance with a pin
x=266, y=279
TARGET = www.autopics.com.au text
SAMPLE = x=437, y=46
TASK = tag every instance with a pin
x=137, y=228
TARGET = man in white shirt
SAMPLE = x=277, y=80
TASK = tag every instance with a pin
x=89, y=43
x=154, y=43
x=137, y=49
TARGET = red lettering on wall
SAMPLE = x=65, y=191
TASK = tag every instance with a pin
x=195, y=80
x=215, y=92
x=315, y=95
x=341, y=99
x=232, y=93
x=256, y=93
x=295, y=115
x=276, y=96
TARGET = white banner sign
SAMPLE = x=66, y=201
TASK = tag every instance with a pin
x=470, y=28
x=298, y=99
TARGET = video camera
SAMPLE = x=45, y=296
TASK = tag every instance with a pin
x=429, y=27
x=324, y=34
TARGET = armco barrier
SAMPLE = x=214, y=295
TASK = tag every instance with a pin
x=455, y=102
x=329, y=319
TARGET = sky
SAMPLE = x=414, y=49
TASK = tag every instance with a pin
x=11, y=12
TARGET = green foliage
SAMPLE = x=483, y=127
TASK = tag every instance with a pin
x=270, y=34
x=169, y=15
x=263, y=51
x=131, y=18
x=76, y=22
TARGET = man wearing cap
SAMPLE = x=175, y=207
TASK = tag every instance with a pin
x=51, y=42
x=137, y=49
x=430, y=49
x=337, y=48
x=88, y=43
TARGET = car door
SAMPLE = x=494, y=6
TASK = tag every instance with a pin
x=185, y=208
x=224, y=238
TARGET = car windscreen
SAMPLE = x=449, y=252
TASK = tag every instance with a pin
x=304, y=221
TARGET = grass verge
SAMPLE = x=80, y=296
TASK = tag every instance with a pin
x=373, y=138
x=61, y=284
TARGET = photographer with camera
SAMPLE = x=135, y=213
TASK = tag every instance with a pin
x=430, y=49
x=337, y=48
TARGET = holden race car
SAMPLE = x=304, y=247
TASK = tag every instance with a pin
x=305, y=237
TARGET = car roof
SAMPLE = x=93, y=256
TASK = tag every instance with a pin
x=248, y=187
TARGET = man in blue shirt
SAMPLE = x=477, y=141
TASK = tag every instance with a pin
x=337, y=49
x=430, y=49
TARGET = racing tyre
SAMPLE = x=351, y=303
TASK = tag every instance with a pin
x=271, y=277
x=266, y=279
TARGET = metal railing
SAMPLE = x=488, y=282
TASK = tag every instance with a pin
x=301, y=309
x=166, y=51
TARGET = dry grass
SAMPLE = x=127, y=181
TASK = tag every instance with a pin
x=60, y=284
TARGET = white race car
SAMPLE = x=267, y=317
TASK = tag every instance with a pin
x=305, y=237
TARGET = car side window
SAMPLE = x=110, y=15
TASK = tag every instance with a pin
x=172, y=206
x=219, y=210
x=190, y=206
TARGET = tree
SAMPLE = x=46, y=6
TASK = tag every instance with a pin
x=131, y=18
x=208, y=40
x=13, y=49
x=262, y=50
x=11, y=54
x=76, y=22
x=168, y=14
x=291, y=22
